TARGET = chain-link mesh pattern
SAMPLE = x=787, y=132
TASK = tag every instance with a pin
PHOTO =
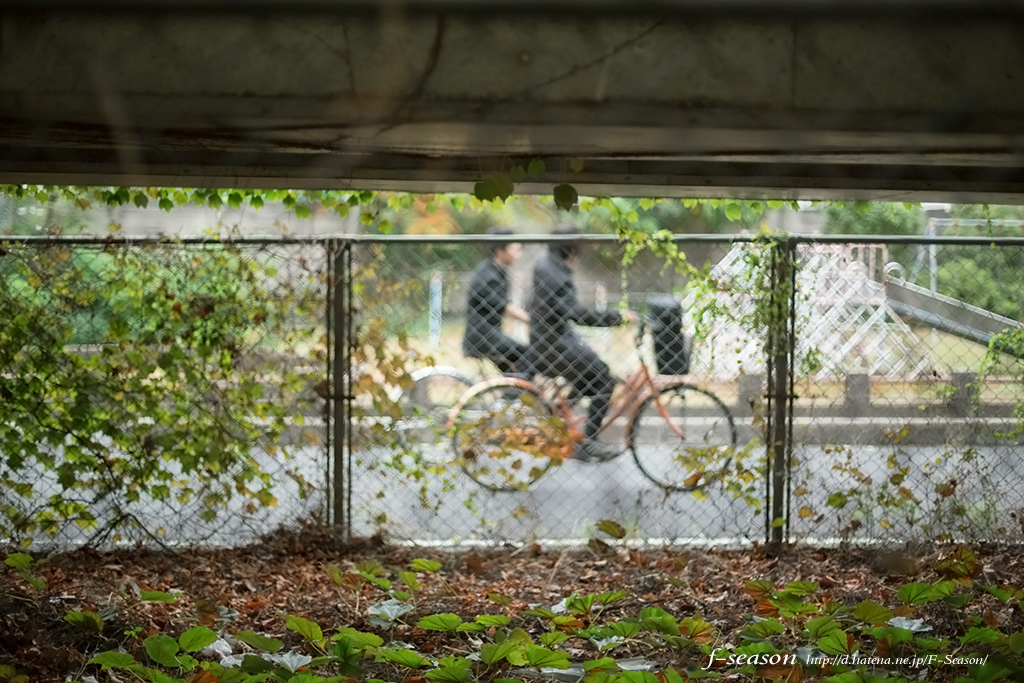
x=415, y=298
x=161, y=393
x=175, y=393
x=905, y=422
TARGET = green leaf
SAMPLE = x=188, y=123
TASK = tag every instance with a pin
x=613, y=529
x=196, y=639
x=440, y=622
x=495, y=652
x=565, y=196
x=404, y=657
x=517, y=173
x=421, y=565
x=576, y=164
x=536, y=168
x=604, y=664
x=258, y=641
x=157, y=596
x=490, y=620
x=411, y=580
x=305, y=628
x=624, y=629
x=837, y=500
x=917, y=593
x=733, y=211
x=637, y=677
x=358, y=639
x=552, y=638
x=112, y=660
x=981, y=634
x=871, y=612
x=608, y=597
x=503, y=600
x=541, y=656
x=818, y=627
x=90, y=621
x=449, y=674
x=837, y=642
x=162, y=650
x=19, y=561
x=801, y=588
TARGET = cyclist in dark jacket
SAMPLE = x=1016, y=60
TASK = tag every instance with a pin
x=559, y=351
x=486, y=307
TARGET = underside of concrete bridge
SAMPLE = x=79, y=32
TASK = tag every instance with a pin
x=812, y=99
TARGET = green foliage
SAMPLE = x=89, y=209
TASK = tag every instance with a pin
x=164, y=408
x=828, y=638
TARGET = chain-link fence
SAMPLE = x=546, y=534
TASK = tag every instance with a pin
x=160, y=392
x=213, y=391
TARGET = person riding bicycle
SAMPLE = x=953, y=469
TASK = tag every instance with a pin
x=559, y=351
x=487, y=305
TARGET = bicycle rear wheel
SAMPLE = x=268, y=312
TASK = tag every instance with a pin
x=683, y=438
x=506, y=437
x=425, y=407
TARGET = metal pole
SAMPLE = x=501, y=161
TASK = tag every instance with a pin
x=326, y=387
x=339, y=389
x=780, y=349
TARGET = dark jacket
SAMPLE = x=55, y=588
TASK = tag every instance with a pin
x=485, y=309
x=554, y=305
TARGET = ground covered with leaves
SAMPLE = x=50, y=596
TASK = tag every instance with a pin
x=307, y=608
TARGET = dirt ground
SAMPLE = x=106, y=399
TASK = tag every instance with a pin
x=253, y=587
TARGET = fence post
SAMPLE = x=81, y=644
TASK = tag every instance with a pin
x=339, y=394
x=780, y=349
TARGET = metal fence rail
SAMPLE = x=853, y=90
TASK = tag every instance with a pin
x=874, y=390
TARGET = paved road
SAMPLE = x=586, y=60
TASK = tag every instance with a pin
x=570, y=498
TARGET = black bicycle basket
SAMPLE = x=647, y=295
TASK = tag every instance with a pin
x=671, y=346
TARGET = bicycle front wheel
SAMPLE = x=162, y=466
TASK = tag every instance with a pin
x=425, y=407
x=506, y=437
x=682, y=438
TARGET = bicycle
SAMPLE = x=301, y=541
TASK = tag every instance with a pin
x=506, y=432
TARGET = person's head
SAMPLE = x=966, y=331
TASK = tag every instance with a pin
x=503, y=253
x=567, y=250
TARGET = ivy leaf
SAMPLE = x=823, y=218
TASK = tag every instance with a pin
x=495, y=652
x=733, y=211
x=258, y=641
x=357, y=639
x=196, y=639
x=112, y=660
x=517, y=173
x=541, y=656
x=440, y=622
x=838, y=642
x=536, y=168
x=421, y=565
x=871, y=612
x=917, y=593
x=565, y=196
x=503, y=600
x=404, y=657
x=163, y=650
x=576, y=164
x=305, y=628
x=602, y=664
x=158, y=596
x=19, y=561
x=90, y=621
